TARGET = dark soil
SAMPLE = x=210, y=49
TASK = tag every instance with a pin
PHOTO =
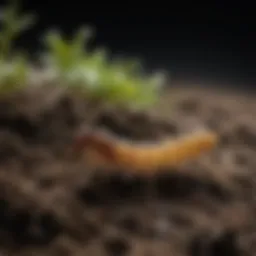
x=52, y=205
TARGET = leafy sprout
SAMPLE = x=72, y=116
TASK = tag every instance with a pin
x=62, y=54
x=13, y=24
x=13, y=68
x=74, y=66
x=92, y=71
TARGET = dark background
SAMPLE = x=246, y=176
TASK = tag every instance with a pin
x=212, y=43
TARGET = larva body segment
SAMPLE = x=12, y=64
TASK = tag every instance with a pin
x=168, y=154
x=186, y=148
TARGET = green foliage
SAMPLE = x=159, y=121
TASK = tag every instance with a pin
x=76, y=68
x=13, y=75
x=64, y=55
x=13, y=67
x=93, y=73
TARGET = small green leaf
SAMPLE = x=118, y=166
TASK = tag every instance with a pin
x=13, y=24
x=80, y=41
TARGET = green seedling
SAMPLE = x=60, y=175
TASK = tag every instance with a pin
x=14, y=68
x=74, y=66
x=93, y=73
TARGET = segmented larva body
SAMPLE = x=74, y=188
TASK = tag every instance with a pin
x=145, y=157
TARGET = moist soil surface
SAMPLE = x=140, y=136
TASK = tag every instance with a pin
x=51, y=204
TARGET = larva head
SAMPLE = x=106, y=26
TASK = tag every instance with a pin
x=85, y=141
x=93, y=142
